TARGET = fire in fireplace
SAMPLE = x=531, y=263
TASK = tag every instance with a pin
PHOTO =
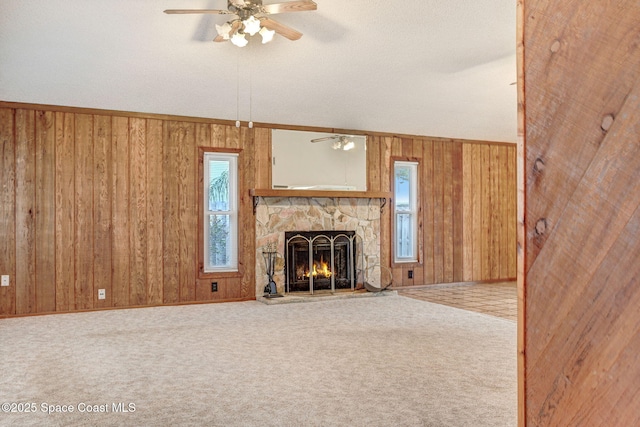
x=319, y=260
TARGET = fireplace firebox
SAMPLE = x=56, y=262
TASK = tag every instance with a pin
x=320, y=261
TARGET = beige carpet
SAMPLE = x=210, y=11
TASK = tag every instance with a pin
x=355, y=362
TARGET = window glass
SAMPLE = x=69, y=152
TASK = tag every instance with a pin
x=405, y=211
x=221, y=215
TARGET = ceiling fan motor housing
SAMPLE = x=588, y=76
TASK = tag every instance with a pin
x=245, y=9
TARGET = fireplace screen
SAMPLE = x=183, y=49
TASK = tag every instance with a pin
x=319, y=260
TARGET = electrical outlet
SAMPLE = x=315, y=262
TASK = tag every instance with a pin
x=102, y=293
x=410, y=274
x=5, y=280
x=214, y=286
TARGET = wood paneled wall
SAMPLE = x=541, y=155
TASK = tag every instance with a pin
x=94, y=199
x=467, y=219
x=582, y=224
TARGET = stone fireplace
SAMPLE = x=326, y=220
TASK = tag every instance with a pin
x=277, y=216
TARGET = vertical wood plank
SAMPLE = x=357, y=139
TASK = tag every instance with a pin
x=138, y=211
x=263, y=157
x=203, y=140
x=448, y=225
x=232, y=137
x=477, y=209
x=247, y=233
x=438, y=212
x=173, y=135
x=494, y=213
x=65, y=210
x=154, y=212
x=45, y=264
x=467, y=215
x=512, y=193
x=427, y=201
x=25, y=280
x=120, y=211
x=102, y=215
x=457, y=200
x=384, y=146
x=7, y=210
x=418, y=268
x=187, y=212
x=83, y=241
x=485, y=240
x=374, y=163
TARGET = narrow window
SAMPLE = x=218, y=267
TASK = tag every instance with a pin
x=220, y=212
x=405, y=198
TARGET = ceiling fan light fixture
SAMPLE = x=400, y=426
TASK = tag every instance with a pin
x=239, y=39
x=251, y=25
x=267, y=35
x=349, y=145
x=224, y=30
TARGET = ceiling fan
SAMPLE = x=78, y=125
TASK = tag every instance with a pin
x=251, y=18
x=340, y=142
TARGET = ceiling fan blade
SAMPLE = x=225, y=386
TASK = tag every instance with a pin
x=281, y=29
x=292, y=6
x=186, y=11
x=326, y=138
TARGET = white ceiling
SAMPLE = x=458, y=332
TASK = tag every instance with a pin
x=422, y=67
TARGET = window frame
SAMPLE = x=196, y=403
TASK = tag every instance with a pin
x=234, y=270
x=414, y=210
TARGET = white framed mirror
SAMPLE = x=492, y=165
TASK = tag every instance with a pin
x=304, y=160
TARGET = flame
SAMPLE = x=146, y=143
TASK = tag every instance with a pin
x=320, y=269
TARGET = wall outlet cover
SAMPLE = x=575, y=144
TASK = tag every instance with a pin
x=102, y=294
x=5, y=280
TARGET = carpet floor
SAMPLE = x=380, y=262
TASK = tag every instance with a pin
x=353, y=362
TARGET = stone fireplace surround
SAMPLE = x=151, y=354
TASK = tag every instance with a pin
x=275, y=215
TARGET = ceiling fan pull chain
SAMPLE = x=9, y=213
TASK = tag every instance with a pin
x=237, y=88
x=250, y=92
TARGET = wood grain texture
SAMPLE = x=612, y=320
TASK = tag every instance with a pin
x=384, y=148
x=7, y=210
x=121, y=228
x=45, y=213
x=439, y=212
x=138, y=211
x=447, y=212
x=582, y=200
x=457, y=211
x=187, y=218
x=467, y=212
x=426, y=197
x=173, y=135
x=83, y=221
x=25, y=278
x=118, y=195
x=65, y=208
x=262, y=153
x=246, y=239
x=103, y=200
x=154, y=212
x=467, y=207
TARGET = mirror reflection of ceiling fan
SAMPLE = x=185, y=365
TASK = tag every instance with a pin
x=252, y=17
x=339, y=142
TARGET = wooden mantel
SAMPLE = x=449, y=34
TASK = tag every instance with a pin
x=254, y=192
x=257, y=193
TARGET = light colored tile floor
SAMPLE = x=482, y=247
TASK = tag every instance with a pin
x=495, y=299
